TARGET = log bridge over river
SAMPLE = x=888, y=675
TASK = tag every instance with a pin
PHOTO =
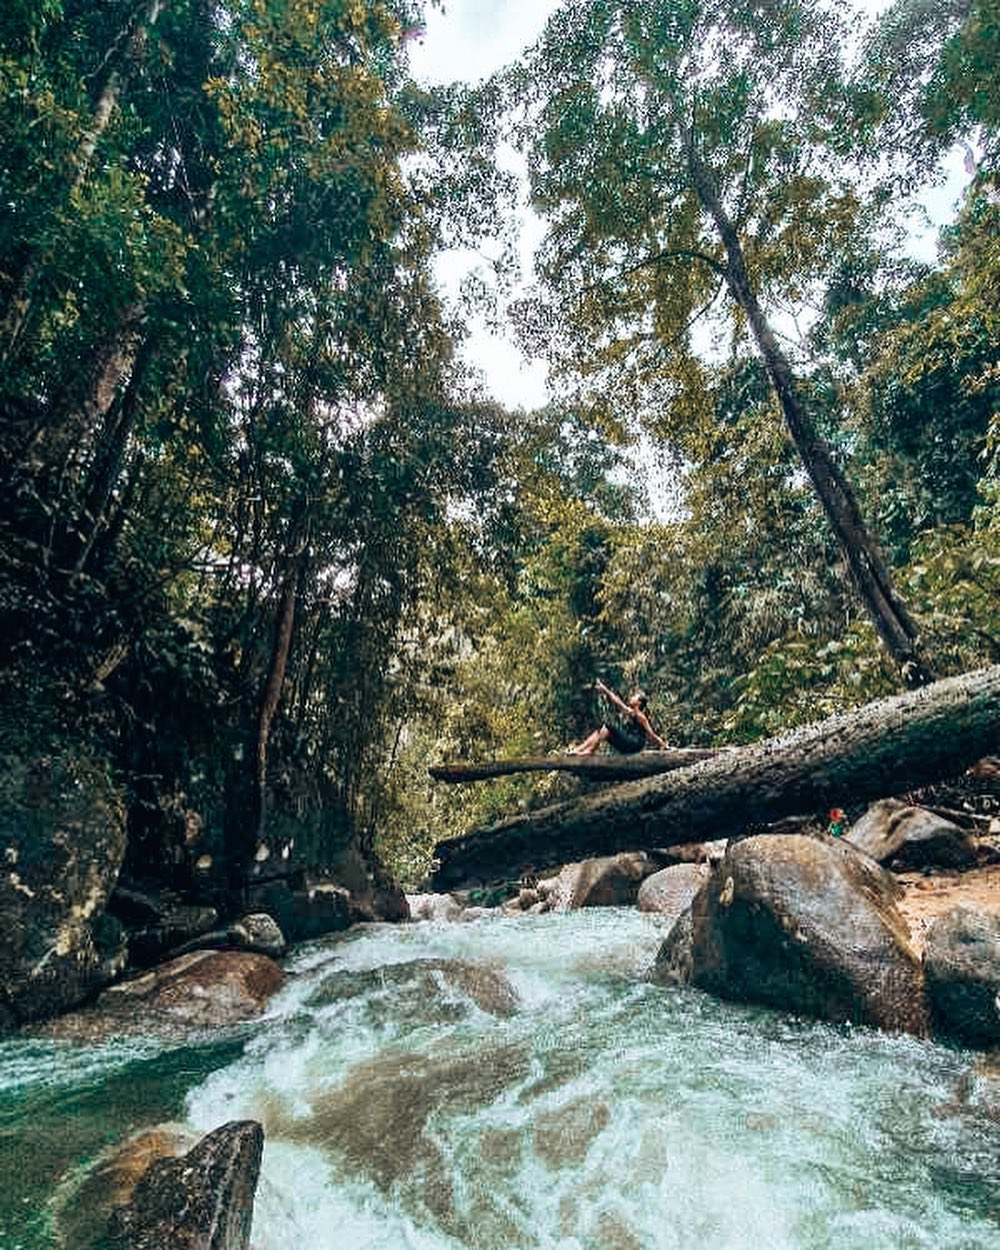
x=669, y=797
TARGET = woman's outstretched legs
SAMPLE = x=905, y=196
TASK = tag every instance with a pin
x=590, y=744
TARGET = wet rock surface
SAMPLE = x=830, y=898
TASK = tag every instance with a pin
x=201, y=1201
x=431, y=991
x=379, y=1123
x=197, y=991
x=962, y=966
x=803, y=924
x=81, y=1222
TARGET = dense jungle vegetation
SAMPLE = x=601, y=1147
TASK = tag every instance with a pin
x=268, y=549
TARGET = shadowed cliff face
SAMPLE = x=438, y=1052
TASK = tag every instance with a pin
x=61, y=847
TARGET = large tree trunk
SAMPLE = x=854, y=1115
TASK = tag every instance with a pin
x=882, y=749
x=868, y=567
x=594, y=767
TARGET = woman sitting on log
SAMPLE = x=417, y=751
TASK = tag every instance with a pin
x=635, y=733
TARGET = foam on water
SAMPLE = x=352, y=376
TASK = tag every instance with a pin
x=517, y=1083
x=605, y=1112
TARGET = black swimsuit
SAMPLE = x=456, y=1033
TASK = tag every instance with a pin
x=627, y=738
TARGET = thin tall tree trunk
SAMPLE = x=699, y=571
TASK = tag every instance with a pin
x=276, y=672
x=111, y=456
x=868, y=568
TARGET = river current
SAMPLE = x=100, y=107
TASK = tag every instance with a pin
x=518, y=1083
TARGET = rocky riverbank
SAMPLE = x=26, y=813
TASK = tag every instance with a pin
x=801, y=919
x=892, y=920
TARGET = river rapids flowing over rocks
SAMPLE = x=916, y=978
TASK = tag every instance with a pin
x=517, y=1083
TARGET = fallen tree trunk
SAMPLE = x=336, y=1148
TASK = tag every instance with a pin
x=598, y=767
x=881, y=749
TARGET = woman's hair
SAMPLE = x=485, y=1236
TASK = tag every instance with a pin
x=640, y=697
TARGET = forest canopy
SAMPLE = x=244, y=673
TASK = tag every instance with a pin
x=270, y=547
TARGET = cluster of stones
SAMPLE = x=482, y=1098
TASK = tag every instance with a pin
x=799, y=920
x=804, y=921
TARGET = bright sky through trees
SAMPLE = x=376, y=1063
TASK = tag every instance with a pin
x=469, y=39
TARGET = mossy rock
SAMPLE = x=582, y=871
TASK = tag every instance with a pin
x=62, y=841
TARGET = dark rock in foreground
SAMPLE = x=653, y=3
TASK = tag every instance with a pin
x=202, y=1201
x=81, y=1211
x=801, y=924
x=962, y=967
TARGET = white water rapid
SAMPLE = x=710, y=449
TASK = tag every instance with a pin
x=517, y=1083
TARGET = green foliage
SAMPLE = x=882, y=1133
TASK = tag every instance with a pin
x=930, y=76
x=240, y=459
x=928, y=387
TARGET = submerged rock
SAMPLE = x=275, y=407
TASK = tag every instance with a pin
x=912, y=837
x=201, y=1201
x=426, y=991
x=962, y=967
x=378, y=1123
x=803, y=924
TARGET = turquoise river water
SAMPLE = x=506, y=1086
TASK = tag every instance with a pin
x=518, y=1083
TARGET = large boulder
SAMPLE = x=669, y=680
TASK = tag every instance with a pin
x=912, y=837
x=202, y=1201
x=61, y=848
x=804, y=924
x=610, y=881
x=962, y=968
x=671, y=891
x=203, y=990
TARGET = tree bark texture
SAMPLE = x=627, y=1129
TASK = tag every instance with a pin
x=275, y=680
x=896, y=744
x=594, y=767
x=868, y=568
